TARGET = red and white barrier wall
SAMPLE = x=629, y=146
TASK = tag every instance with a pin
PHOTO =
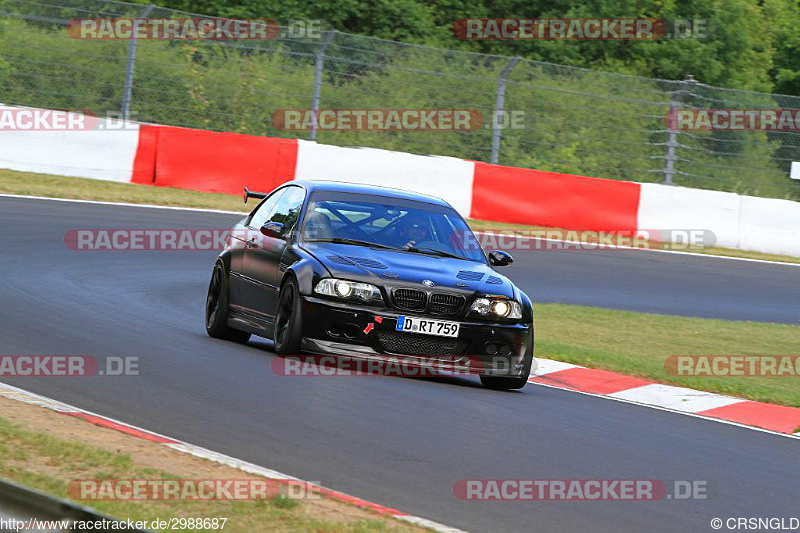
x=212, y=161
x=98, y=153
x=449, y=178
x=766, y=225
x=225, y=162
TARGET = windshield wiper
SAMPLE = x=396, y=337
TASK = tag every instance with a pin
x=355, y=242
x=433, y=251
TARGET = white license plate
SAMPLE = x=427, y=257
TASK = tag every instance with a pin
x=426, y=326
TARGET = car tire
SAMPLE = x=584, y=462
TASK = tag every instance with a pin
x=288, y=320
x=503, y=383
x=217, y=309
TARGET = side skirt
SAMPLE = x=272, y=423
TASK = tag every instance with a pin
x=247, y=320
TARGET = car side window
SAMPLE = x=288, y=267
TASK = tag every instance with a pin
x=288, y=209
x=265, y=210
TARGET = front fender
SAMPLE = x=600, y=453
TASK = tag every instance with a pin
x=225, y=259
x=527, y=307
x=308, y=271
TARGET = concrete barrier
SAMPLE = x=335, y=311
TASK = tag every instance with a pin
x=102, y=153
x=448, y=178
x=678, y=208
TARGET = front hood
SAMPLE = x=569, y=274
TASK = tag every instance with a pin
x=398, y=268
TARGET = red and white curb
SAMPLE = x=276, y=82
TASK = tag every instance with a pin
x=14, y=393
x=746, y=413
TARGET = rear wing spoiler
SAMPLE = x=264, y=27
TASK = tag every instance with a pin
x=253, y=194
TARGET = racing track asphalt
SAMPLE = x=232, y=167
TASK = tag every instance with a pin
x=397, y=441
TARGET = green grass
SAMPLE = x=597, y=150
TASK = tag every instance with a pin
x=25, y=183
x=638, y=344
x=41, y=461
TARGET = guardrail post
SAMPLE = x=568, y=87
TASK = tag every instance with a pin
x=326, y=40
x=127, y=89
x=498, y=108
x=671, y=146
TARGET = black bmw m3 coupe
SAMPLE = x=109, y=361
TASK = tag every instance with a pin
x=362, y=271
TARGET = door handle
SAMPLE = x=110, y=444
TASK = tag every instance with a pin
x=251, y=243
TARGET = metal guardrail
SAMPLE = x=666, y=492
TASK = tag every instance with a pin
x=23, y=504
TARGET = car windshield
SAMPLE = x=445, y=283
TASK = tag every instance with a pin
x=387, y=222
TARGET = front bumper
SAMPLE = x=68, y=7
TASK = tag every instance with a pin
x=344, y=328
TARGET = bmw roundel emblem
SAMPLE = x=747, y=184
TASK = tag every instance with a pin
x=428, y=283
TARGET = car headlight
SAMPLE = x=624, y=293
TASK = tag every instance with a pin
x=497, y=307
x=341, y=288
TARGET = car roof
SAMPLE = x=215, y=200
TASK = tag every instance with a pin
x=359, y=188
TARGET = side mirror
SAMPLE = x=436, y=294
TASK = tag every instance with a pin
x=273, y=229
x=499, y=258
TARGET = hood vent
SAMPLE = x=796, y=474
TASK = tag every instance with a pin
x=368, y=263
x=361, y=261
x=466, y=275
x=494, y=280
x=340, y=260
